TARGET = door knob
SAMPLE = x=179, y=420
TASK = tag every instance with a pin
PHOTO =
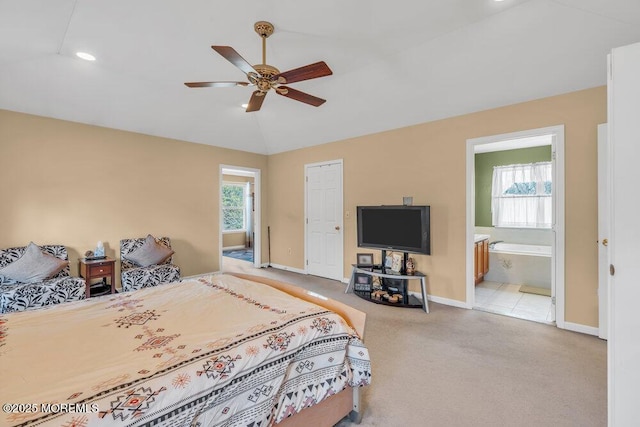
x=337, y=227
x=605, y=242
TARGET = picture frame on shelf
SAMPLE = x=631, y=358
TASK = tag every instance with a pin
x=396, y=262
x=362, y=282
x=364, y=261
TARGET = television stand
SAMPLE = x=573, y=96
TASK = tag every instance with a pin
x=398, y=281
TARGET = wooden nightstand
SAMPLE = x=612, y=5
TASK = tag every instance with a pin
x=98, y=269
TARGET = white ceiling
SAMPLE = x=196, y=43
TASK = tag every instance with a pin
x=395, y=63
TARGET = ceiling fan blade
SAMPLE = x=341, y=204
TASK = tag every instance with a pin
x=234, y=57
x=216, y=84
x=300, y=96
x=311, y=71
x=256, y=101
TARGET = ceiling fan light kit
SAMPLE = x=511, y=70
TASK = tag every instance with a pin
x=266, y=77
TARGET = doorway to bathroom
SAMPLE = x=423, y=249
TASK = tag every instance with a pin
x=239, y=217
x=515, y=211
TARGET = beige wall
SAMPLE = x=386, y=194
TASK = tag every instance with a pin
x=428, y=162
x=75, y=184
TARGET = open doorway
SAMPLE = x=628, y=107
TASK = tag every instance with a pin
x=239, y=217
x=515, y=227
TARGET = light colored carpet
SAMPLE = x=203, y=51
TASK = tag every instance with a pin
x=456, y=367
x=533, y=290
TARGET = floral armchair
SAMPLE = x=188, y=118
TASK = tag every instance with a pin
x=146, y=262
x=60, y=287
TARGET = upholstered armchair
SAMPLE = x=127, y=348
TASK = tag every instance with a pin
x=146, y=262
x=37, y=276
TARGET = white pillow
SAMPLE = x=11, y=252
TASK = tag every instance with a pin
x=33, y=266
x=150, y=253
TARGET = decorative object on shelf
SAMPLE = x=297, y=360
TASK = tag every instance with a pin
x=410, y=268
x=364, y=260
x=99, y=249
x=379, y=294
x=363, y=282
x=396, y=262
x=407, y=201
x=395, y=298
x=88, y=254
x=388, y=261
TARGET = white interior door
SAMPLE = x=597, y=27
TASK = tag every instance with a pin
x=624, y=289
x=603, y=231
x=324, y=234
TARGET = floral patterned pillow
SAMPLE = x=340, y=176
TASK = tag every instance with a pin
x=33, y=266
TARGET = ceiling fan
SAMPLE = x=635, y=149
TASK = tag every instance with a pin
x=266, y=77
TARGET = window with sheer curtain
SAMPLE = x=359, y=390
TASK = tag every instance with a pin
x=521, y=195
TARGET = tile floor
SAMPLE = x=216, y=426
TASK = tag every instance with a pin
x=506, y=299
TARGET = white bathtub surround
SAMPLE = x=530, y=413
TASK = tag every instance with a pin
x=520, y=264
x=520, y=249
x=528, y=236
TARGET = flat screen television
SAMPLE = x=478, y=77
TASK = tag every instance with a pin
x=395, y=228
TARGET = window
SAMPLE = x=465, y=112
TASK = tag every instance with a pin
x=233, y=207
x=521, y=195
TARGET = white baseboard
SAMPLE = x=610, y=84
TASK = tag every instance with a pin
x=583, y=329
x=441, y=300
x=286, y=268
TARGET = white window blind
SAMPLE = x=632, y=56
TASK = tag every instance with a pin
x=521, y=195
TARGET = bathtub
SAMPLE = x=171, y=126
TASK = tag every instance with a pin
x=520, y=249
x=520, y=264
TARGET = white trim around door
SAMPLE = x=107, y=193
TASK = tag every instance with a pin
x=558, y=248
x=257, y=214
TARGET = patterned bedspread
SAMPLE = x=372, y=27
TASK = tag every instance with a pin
x=212, y=351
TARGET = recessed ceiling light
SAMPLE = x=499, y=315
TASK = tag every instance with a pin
x=85, y=56
x=244, y=105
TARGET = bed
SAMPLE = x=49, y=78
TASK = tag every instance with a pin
x=217, y=350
